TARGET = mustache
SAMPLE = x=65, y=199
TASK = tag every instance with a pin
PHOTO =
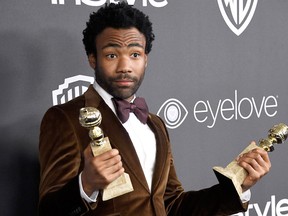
x=124, y=77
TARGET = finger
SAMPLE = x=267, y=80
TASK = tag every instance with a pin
x=108, y=155
x=102, y=160
x=264, y=154
x=113, y=176
x=254, y=169
x=258, y=159
x=115, y=168
x=110, y=174
x=108, y=166
x=251, y=164
x=263, y=161
x=253, y=175
x=251, y=167
x=115, y=161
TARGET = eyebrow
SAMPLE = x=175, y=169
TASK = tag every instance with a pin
x=135, y=45
x=118, y=46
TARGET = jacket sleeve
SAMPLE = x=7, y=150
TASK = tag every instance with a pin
x=60, y=156
x=216, y=200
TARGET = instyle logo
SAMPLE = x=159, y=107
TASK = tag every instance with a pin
x=237, y=13
x=95, y=3
x=272, y=208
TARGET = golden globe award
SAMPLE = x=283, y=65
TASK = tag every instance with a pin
x=234, y=174
x=91, y=118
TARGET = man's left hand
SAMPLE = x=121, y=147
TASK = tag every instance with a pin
x=257, y=164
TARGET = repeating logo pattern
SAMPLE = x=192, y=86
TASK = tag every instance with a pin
x=173, y=112
x=237, y=13
x=71, y=88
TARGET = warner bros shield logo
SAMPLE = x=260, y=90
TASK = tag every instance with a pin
x=71, y=88
x=237, y=13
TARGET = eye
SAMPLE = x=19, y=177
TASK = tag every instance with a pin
x=111, y=56
x=135, y=55
x=173, y=112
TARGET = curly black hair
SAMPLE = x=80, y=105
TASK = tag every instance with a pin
x=117, y=16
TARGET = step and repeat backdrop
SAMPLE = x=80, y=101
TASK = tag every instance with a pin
x=217, y=75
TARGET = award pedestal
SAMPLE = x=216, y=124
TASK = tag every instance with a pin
x=119, y=186
x=233, y=174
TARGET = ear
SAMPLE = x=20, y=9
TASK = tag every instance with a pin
x=146, y=60
x=92, y=60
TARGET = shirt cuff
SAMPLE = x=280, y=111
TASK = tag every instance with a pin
x=92, y=198
x=245, y=196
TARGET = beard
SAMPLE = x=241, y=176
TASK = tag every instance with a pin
x=109, y=84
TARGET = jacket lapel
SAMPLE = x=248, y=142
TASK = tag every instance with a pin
x=161, y=152
x=118, y=136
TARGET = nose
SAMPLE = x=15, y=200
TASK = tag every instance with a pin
x=124, y=65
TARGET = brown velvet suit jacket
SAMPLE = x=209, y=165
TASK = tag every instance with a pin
x=62, y=141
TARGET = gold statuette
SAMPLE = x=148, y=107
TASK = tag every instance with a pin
x=91, y=118
x=234, y=174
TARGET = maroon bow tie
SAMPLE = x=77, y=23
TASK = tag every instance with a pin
x=138, y=107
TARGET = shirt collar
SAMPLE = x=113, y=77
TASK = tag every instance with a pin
x=106, y=96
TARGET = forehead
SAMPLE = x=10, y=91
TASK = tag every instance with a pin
x=121, y=37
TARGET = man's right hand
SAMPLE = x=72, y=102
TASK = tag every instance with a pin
x=101, y=170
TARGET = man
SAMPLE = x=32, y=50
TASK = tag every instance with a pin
x=118, y=39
